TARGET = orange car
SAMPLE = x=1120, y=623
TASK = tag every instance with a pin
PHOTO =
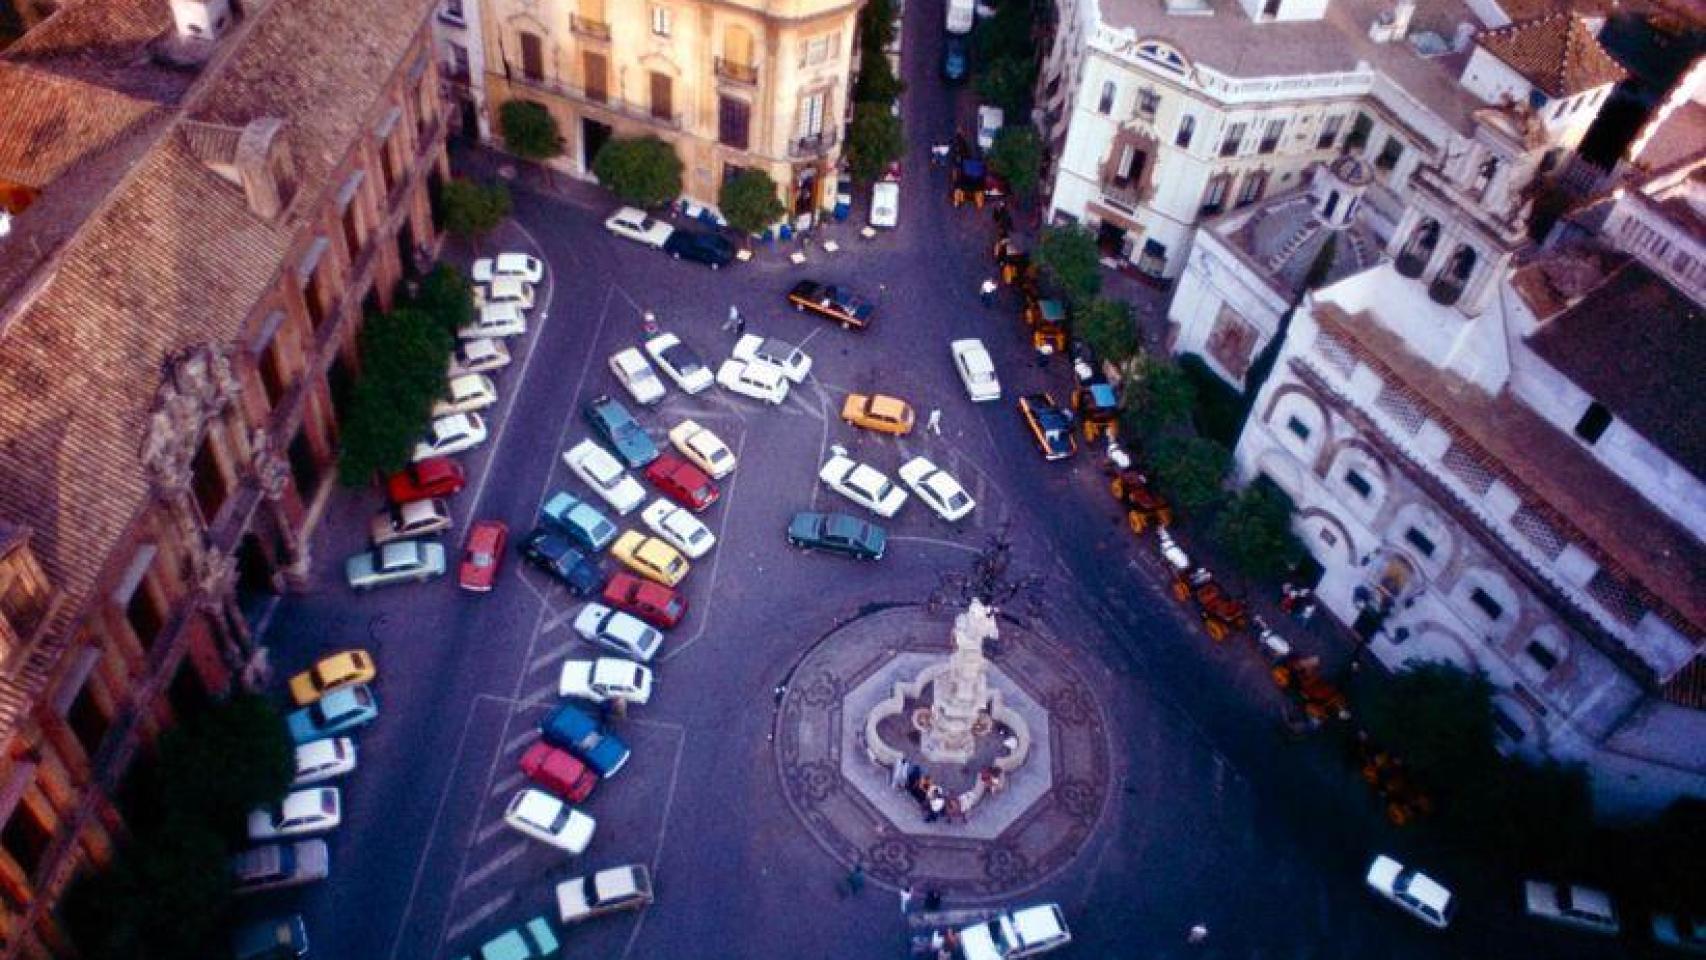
x=883, y=414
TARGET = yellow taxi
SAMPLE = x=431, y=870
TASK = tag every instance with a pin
x=338, y=670
x=878, y=412
x=650, y=558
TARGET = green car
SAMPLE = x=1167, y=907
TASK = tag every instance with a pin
x=530, y=941
x=837, y=533
x=400, y=561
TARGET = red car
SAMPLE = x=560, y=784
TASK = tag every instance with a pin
x=558, y=771
x=436, y=477
x=682, y=482
x=654, y=603
x=482, y=555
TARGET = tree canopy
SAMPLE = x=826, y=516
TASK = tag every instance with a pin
x=1254, y=531
x=1068, y=254
x=1191, y=470
x=749, y=201
x=1006, y=82
x=643, y=171
x=874, y=141
x=404, y=356
x=472, y=209
x=1107, y=325
x=529, y=130
x=1017, y=156
x=1156, y=395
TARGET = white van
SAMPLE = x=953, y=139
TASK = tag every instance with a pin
x=504, y=288
x=989, y=121
x=961, y=15
x=885, y=203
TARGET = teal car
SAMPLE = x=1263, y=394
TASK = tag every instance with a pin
x=530, y=941
x=400, y=561
x=334, y=714
x=282, y=938
x=578, y=520
x=837, y=533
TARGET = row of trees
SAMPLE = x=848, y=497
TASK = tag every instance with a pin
x=875, y=138
x=1006, y=47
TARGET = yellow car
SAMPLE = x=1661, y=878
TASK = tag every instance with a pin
x=650, y=558
x=338, y=670
x=879, y=412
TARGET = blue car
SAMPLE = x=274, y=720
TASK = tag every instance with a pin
x=712, y=250
x=334, y=714
x=618, y=428
x=579, y=520
x=574, y=731
x=837, y=533
x=555, y=554
x=956, y=59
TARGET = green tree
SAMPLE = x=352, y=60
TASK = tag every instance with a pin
x=643, y=171
x=1070, y=256
x=1254, y=531
x=877, y=82
x=1007, y=83
x=1017, y=156
x=1007, y=34
x=874, y=141
x=472, y=210
x=446, y=295
x=876, y=27
x=750, y=203
x=1191, y=470
x=1437, y=717
x=1107, y=325
x=1156, y=396
x=404, y=354
x=529, y=130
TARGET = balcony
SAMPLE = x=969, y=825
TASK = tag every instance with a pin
x=738, y=72
x=813, y=145
x=594, y=29
x=605, y=101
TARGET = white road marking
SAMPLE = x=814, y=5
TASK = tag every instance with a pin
x=544, y=660
x=933, y=541
x=516, y=742
x=506, y=785
x=717, y=555
x=663, y=821
x=510, y=855
x=480, y=913
x=490, y=830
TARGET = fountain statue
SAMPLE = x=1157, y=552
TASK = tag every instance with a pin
x=959, y=708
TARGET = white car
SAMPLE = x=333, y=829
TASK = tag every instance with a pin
x=1573, y=906
x=466, y=394
x=452, y=434
x=300, y=814
x=1414, y=892
x=495, y=320
x=619, y=888
x=634, y=225
x=861, y=483
x=601, y=471
x=504, y=288
x=885, y=203
x=760, y=381
x=679, y=363
x=607, y=678
x=508, y=265
x=678, y=526
x=976, y=370
x=618, y=631
x=937, y=488
x=479, y=355
x=545, y=818
x=704, y=448
x=631, y=370
x=1022, y=933
x=784, y=356
x=990, y=120
x=322, y=760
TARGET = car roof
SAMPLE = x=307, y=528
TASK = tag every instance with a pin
x=537, y=806
x=617, y=881
x=1038, y=923
x=1424, y=889
x=887, y=406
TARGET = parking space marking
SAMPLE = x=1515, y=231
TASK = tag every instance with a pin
x=490, y=830
x=663, y=820
x=935, y=542
x=557, y=620
x=519, y=740
x=543, y=660
x=510, y=854
x=717, y=557
x=479, y=914
x=506, y=785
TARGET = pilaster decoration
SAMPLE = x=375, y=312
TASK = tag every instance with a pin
x=271, y=471
x=198, y=383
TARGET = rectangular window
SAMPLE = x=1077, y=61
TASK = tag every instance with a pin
x=1214, y=198
x=1271, y=136
x=1390, y=152
x=597, y=70
x=1153, y=261
x=1187, y=130
x=663, y=96
x=1509, y=727
x=810, y=116
x=1420, y=541
x=1298, y=428
x=1329, y=133
x=145, y=616
x=459, y=68
x=1492, y=608
x=1234, y=136
x=206, y=482
x=452, y=11
x=1594, y=423
x=1130, y=167
x=88, y=724
x=532, y=57
x=1359, y=483
x=1360, y=129
x=1252, y=188
x=25, y=838
x=275, y=378
x=817, y=50
x=1148, y=102
x=734, y=120
x=660, y=21
x=1105, y=105
x=1538, y=652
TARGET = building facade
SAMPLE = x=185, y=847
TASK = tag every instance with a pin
x=731, y=85
x=204, y=199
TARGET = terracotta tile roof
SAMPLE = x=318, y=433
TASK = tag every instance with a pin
x=1557, y=53
x=55, y=121
x=1675, y=137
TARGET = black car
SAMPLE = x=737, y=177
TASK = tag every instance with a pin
x=712, y=249
x=618, y=428
x=956, y=59
x=831, y=302
x=557, y=555
x=838, y=533
x=1051, y=426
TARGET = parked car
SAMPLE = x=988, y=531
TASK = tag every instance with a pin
x=618, y=631
x=504, y=289
x=553, y=553
x=956, y=59
x=832, y=303
x=545, y=818
x=837, y=533
x=618, y=428
x=1680, y=931
x=498, y=320
x=711, y=249
x=532, y=940
x=341, y=711
x=1412, y=891
x=276, y=938
x=682, y=482
x=976, y=370
x=456, y=433
x=468, y=393
x=330, y=672
x=417, y=518
x=400, y=561
x=679, y=363
x=320, y=760
x=1021, y=933
x=600, y=471
x=1050, y=425
x=274, y=866
x=630, y=223
x=301, y=813
x=574, y=731
x=990, y=120
x=885, y=203
x=1582, y=907
x=650, y=557
x=861, y=483
x=635, y=374
x=479, y=355
x=759, y=381
x=654, y=603
x=878, y=413
x=437, y=477
x=558, y=771
x=784, y=356
x=482, y=556
x=606, y=678
x=508, y=265
x=675, y=524
x=704, y=448
x=607, y=891
x=582, y=522
x=936, y=488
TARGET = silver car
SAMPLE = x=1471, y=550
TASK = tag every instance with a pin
x=400, y=561
x=277, y=865
x=618, y=632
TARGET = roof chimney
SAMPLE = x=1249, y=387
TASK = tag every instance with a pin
x=205, y=20
x=264, y=167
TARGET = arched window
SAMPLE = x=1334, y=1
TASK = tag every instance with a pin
x=1105, y=105
x=1484, y=177
x=1449, y=285
x=1413, y=259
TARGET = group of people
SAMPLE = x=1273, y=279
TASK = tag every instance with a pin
x=1298, y=602
x=933, y=799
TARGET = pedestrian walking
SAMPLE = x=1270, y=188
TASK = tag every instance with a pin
x=905, y=899
x=1198, y=934
x=856, y=879
x=740, y=325
x=934, y=423
x=734, y=317
x=987, y=292
x=897, y=779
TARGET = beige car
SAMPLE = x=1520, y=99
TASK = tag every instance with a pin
x=607, y=891
x=415, y=519
x=703, y=448
x=504, y=288
x=466, y=394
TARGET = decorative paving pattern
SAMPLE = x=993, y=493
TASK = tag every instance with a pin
x=1015, y=841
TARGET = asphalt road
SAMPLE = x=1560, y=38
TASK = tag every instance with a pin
x=1214, y=818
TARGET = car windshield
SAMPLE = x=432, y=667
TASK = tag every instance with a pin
x=682, y=359
x=646, y=223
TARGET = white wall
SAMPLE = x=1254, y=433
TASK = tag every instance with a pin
x=1490, y=79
